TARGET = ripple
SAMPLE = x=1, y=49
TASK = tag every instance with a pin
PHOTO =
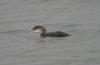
x=11, y=31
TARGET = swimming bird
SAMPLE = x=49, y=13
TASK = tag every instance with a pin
x=44, y=32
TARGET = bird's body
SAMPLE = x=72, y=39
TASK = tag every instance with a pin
x=44, y=32
x=55, y=34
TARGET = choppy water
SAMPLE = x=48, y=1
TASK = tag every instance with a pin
x=80, y=18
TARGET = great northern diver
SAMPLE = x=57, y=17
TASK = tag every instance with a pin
x=44, y=32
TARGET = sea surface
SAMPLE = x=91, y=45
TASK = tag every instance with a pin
x=79, y=18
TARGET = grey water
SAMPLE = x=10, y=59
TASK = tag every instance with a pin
x=79, y=18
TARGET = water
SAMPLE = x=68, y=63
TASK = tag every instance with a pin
x=80, y=18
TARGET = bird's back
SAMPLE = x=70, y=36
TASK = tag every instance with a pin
x=56, y=34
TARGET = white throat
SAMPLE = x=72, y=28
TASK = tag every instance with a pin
x=37, y=30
